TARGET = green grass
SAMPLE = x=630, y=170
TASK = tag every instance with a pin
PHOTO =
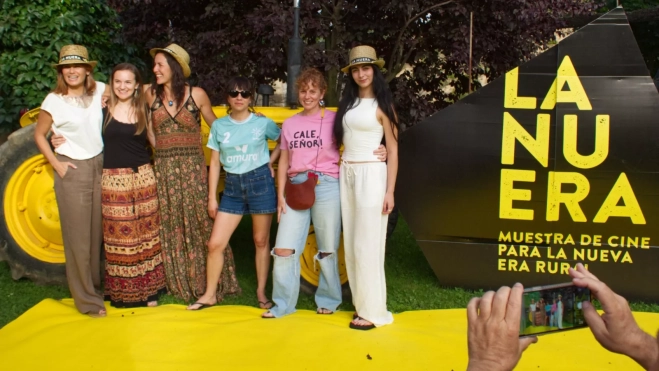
x=411, y=283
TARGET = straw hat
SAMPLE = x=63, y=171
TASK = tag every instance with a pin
x=363, y=54
x=177, y=53
x=74, y=54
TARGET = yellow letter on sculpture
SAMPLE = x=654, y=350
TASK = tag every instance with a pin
x=571, y=200
x=538, y=146
x=510, y=97
x=566, y=74
x=601, y=142
x=621, y=190
x=509, y=194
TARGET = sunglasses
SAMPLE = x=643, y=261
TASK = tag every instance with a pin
x=243, y=93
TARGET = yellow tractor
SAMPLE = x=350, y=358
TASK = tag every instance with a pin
x=30, y=236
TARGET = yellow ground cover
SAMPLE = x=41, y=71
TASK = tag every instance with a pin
x=53, y=336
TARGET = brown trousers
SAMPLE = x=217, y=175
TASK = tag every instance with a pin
x=79, y=202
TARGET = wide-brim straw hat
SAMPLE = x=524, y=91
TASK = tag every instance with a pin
x=178, y=53
x=363, y=54
x=74, y=54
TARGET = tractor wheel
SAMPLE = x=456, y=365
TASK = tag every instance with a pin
x=309, y=274
x=30, y=235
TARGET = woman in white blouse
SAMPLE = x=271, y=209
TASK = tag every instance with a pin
x=73, y=110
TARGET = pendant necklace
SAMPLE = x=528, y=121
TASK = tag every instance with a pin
x=171, y=103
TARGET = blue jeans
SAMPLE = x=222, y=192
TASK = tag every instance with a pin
x=250, y=193
x=292, y=234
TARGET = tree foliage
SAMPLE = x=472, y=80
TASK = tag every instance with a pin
x=425, y=43
x=644, y=20
x=31, y=35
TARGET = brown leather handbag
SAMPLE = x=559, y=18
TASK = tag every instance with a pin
x=301, y=196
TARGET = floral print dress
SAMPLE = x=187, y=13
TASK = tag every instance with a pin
x=185, y=226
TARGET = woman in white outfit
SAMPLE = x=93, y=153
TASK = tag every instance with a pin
x=366, y=114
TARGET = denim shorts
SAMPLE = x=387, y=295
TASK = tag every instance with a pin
x=250, y=193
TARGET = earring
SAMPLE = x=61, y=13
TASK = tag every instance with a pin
x=322, y=103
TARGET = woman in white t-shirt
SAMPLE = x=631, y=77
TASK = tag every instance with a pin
x=73, y=110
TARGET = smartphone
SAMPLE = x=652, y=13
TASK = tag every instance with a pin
x=553, y=308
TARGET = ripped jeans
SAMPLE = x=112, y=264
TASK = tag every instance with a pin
x=292, y=234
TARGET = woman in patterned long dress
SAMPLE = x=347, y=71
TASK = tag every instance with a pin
x=182, y=177
x=134, y=271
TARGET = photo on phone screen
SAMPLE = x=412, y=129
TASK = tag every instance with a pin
x=553, y=308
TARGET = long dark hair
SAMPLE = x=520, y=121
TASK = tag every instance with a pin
x=138, y=103
x=178, y=80
x=351, y=97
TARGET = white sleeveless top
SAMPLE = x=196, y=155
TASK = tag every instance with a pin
x=362, y=132
x=81, y=127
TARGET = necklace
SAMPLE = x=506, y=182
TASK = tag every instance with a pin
x=171, y=103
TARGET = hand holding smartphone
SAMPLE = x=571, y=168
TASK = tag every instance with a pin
x=553, y=308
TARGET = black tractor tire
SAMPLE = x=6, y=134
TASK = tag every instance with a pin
x=18, y=149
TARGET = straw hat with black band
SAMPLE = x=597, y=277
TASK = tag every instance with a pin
x=74, y=54
x=363, y=54
x=178, y=53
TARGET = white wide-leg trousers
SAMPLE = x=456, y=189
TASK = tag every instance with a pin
x=363, y=186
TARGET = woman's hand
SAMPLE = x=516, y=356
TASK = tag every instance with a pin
x=281, y=207
x=63, y=167
x=388, y=204
x=104, y=101
x=272, y=169
x=57, y=140
x=212, y=208
x=381, y=153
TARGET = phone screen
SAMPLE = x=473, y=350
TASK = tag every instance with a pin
x=553, y=308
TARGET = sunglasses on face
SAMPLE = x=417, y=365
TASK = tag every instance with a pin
x=243, y=93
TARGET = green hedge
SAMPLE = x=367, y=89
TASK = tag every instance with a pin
x=31, y=34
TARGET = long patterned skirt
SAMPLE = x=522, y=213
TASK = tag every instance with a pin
x=134, y=272
x=185, y=226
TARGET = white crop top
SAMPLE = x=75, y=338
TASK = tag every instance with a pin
x=362, y=132
x=81, y=127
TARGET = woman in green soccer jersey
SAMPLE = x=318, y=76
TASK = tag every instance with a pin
x=239, y=141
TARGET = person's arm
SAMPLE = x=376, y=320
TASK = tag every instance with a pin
x=204, y=103
x=392, y=162
x=273, y=132
x=616, y=329
x=105, y=97
x=43, y=125
x=150, y=134
x=150, y=98
x=274, y=156
x=493, y=330
x=213, y=178
x=282, y=177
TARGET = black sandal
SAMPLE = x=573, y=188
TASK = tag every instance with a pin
x=355, y=326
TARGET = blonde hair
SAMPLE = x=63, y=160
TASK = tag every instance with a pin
x=138, y=102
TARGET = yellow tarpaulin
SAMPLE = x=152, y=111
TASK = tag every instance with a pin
x=53, y=336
